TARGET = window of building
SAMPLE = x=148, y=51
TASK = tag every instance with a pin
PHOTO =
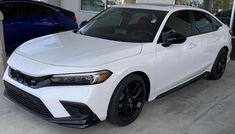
x=93, y=5
x=118, y=2
x=99, y=5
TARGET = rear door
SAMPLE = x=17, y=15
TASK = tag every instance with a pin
x=15, y=27
x=207, y=37
x=41, y=18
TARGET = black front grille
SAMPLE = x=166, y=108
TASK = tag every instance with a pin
x=29, y=101
x=33, y=82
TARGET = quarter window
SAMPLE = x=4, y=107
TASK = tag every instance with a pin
x=203, y=22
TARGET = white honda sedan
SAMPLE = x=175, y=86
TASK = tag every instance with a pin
x=123, y=57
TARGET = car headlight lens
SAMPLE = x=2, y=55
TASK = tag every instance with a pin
x=81, y=79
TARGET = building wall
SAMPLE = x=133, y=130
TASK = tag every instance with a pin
x=75, y=6
x=156, y=1
x=55, y=2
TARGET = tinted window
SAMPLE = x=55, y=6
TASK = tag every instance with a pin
x=215, y=23
x=180, y=22
x=31, y=9
x=9, y=10
x=203, y=22
x=123, y=24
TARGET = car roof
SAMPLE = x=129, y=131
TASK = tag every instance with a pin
x=32, y=1
x=155, y=6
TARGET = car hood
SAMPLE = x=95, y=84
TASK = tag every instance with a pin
x=70, y=49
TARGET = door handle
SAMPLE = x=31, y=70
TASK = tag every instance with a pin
x=191, y=45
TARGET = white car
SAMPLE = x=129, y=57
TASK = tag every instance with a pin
x=121, y=58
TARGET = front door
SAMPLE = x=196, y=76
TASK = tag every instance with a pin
x=176, y=64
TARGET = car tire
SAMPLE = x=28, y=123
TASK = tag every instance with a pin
x=219, y=65
x=127, y=101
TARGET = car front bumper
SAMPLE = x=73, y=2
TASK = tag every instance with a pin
x=72, y=106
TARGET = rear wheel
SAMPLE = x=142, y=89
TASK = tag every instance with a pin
x=127, y=101
x=219, y=65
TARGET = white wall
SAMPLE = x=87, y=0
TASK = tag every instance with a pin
x=55, y=2
x=74, y=6
x=156, y=1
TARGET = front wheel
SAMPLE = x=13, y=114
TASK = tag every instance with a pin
x=219, y=65
x=127, y=101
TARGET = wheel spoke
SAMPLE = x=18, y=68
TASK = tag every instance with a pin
x=136, y=88
x=123, y=109
x=137, y=93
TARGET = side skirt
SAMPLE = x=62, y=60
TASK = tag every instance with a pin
x=204, y=75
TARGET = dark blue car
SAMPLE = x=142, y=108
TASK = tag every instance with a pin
x=25, y=20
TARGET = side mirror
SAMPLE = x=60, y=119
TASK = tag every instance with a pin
x=172, y=37
x=83, y=24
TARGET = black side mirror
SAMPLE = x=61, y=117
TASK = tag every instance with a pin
x=172, y=37
x=83, y=24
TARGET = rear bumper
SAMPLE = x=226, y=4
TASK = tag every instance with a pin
x=80, y=115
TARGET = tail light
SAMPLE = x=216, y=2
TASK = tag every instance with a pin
x=231, y=32
x=74, y=19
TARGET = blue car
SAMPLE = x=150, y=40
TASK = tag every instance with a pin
x=26, y=19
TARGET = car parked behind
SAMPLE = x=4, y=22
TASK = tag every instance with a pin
x=25, y=20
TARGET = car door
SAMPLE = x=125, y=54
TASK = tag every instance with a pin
x=206, y=40
x=176, y=64
x=15, y=27
x=41, y=18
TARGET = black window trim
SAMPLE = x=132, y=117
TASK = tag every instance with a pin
x=190, y=17
x=190, y=11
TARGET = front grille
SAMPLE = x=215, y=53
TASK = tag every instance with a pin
x=34, y=82
x=27, y=100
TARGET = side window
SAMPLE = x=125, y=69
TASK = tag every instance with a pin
x=31, y=9
x=9, y=10
x=180, y=22
x=203, y=22
x=215, y=23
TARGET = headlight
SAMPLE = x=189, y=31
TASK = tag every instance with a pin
x=81, y=79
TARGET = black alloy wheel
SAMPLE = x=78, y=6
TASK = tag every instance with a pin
x=219, y=65
x=127, y=101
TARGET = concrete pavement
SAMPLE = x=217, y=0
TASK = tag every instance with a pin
x=204, y=107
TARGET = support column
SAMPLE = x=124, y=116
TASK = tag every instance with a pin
x=2, y=48
x=232, y=16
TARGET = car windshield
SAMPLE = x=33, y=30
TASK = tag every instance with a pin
x=125, y=24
